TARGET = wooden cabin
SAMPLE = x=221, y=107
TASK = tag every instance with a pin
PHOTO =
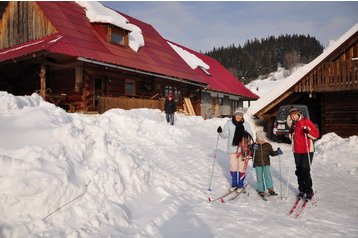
x=53, y=48
x=328, y=86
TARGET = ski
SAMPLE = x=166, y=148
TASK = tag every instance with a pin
x=221, y=197
x=234, y=196
x=294, y=207
x=301, y=209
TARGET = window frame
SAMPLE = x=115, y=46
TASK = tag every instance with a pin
x=120, y=32
x=133, y=82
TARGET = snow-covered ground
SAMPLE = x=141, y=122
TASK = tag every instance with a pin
x=130, y=174
x=262, y=86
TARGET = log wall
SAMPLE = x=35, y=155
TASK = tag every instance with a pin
x=22, y=22
x=340, y=113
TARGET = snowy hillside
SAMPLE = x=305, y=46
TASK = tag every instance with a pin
x=130, y=174
x=261, y=86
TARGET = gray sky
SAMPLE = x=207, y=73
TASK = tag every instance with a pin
x=202, y=25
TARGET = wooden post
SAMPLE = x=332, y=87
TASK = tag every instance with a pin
x=78, y=79
x=43, y=81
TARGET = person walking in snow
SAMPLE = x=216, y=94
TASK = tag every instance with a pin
x=236, y=131
x=261, y=162
x=303, y=132
x=169, y=109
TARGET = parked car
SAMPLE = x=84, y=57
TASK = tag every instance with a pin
x=282, y=122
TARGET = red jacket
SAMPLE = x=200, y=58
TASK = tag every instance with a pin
x=299, y=138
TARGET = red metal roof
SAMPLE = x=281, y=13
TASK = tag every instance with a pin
x=28, y=47
x=221, y=79
x=80, y=39
x=77, y=37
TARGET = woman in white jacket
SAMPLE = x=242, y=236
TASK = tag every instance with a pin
x=235, y=130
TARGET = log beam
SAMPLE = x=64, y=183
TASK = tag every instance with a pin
x=43, y=81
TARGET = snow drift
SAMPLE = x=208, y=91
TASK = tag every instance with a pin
x=130, y=174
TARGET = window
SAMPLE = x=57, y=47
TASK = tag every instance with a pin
x=130, y=87
x=174, y=90
x=117, y=38
x=168, y=89
x=117, y=35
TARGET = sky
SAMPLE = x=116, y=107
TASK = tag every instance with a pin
x=203, y=25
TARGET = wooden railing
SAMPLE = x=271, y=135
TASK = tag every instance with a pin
x=331, y=76
x=106, y=103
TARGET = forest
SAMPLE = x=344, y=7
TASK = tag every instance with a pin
x=260, y=57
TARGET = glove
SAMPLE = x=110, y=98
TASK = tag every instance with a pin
x=219, y=130
x=306, y=130
x=279, y=151
x=255, y=147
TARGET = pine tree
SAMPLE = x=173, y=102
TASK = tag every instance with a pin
x=260, y=57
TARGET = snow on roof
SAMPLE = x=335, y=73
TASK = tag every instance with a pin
x=299, y=74
x=96, y=12
x=192, y=60
x=32, y=46
x=21, y=47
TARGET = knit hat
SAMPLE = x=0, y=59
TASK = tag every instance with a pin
x=260, y=135
x=239, y=111
x=293, y=110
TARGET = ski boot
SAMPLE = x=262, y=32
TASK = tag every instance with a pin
x=300, y=195
x=272, y=192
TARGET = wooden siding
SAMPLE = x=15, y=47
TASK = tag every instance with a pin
x=331, y=77
x=22, y=22
x=106, y=103
x=340, y=113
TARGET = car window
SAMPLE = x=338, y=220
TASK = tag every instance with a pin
x=283, y=112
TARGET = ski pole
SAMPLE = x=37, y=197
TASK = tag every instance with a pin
x=309, y=164
x=212, y=170
x=288, y=180
x=279, y=162
x=253, y=162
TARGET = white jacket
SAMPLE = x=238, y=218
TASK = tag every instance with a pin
x=229, y=132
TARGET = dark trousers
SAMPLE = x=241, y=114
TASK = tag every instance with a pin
x=303, y=172
x=170, y=118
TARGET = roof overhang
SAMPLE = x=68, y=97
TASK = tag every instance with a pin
x=220, y=94
x=82, y=59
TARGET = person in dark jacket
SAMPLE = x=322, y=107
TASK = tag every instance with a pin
x=303, y=132
x=169, y=109
x=261, y=162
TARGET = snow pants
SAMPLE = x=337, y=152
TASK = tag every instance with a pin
x=303, y=172
x=263, y=176
x=237, y=164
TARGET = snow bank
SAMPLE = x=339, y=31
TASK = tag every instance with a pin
x=9, y=102
x=127, y=173
x=336, y=150
x=50, y=156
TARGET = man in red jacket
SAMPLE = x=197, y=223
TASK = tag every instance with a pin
x=303, y=133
